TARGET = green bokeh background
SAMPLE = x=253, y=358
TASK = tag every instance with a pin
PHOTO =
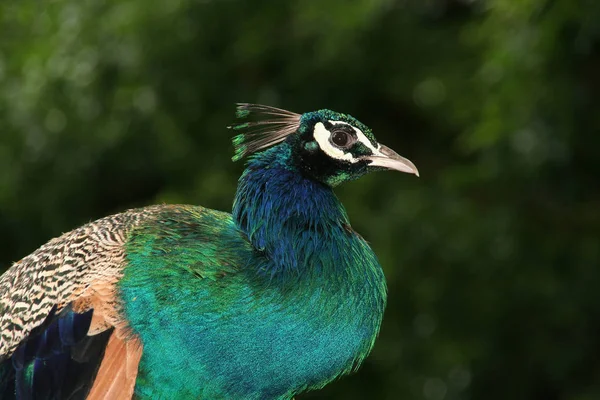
x=492, y=256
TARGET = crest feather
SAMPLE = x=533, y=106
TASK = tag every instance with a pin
x=266, y=127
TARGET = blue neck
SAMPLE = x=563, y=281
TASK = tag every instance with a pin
x=315, y=320
x=285, y=215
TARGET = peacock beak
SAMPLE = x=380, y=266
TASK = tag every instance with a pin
x=389, y=159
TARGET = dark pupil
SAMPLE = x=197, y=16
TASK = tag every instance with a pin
x=340, y=138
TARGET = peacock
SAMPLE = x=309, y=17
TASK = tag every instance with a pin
x=279, y=297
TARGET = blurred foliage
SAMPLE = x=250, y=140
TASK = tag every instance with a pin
x=492, y=256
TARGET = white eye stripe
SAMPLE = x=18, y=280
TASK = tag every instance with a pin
x=321, y=135
x=361, y=137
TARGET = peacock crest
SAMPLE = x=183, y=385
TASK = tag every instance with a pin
x=261, y=127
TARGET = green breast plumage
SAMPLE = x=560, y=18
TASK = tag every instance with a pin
x=213, y=327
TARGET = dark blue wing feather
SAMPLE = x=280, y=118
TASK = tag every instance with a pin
x=57, y=360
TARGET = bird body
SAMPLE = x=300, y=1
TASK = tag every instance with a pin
x=174, y=301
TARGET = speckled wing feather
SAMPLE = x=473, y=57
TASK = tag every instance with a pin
x=75, y=267
x=74, y=273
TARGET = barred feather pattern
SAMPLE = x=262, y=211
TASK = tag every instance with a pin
x=67, y=269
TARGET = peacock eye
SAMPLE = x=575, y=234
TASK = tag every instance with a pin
x=341, y=138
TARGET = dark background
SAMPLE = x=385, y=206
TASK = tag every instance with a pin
x=492, y=256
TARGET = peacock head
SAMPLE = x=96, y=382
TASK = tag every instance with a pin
x=324, y=145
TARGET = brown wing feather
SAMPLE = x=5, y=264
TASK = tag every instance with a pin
x=118, y=371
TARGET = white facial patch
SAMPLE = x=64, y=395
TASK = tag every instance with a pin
x=361, y=137
x=321, y=135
